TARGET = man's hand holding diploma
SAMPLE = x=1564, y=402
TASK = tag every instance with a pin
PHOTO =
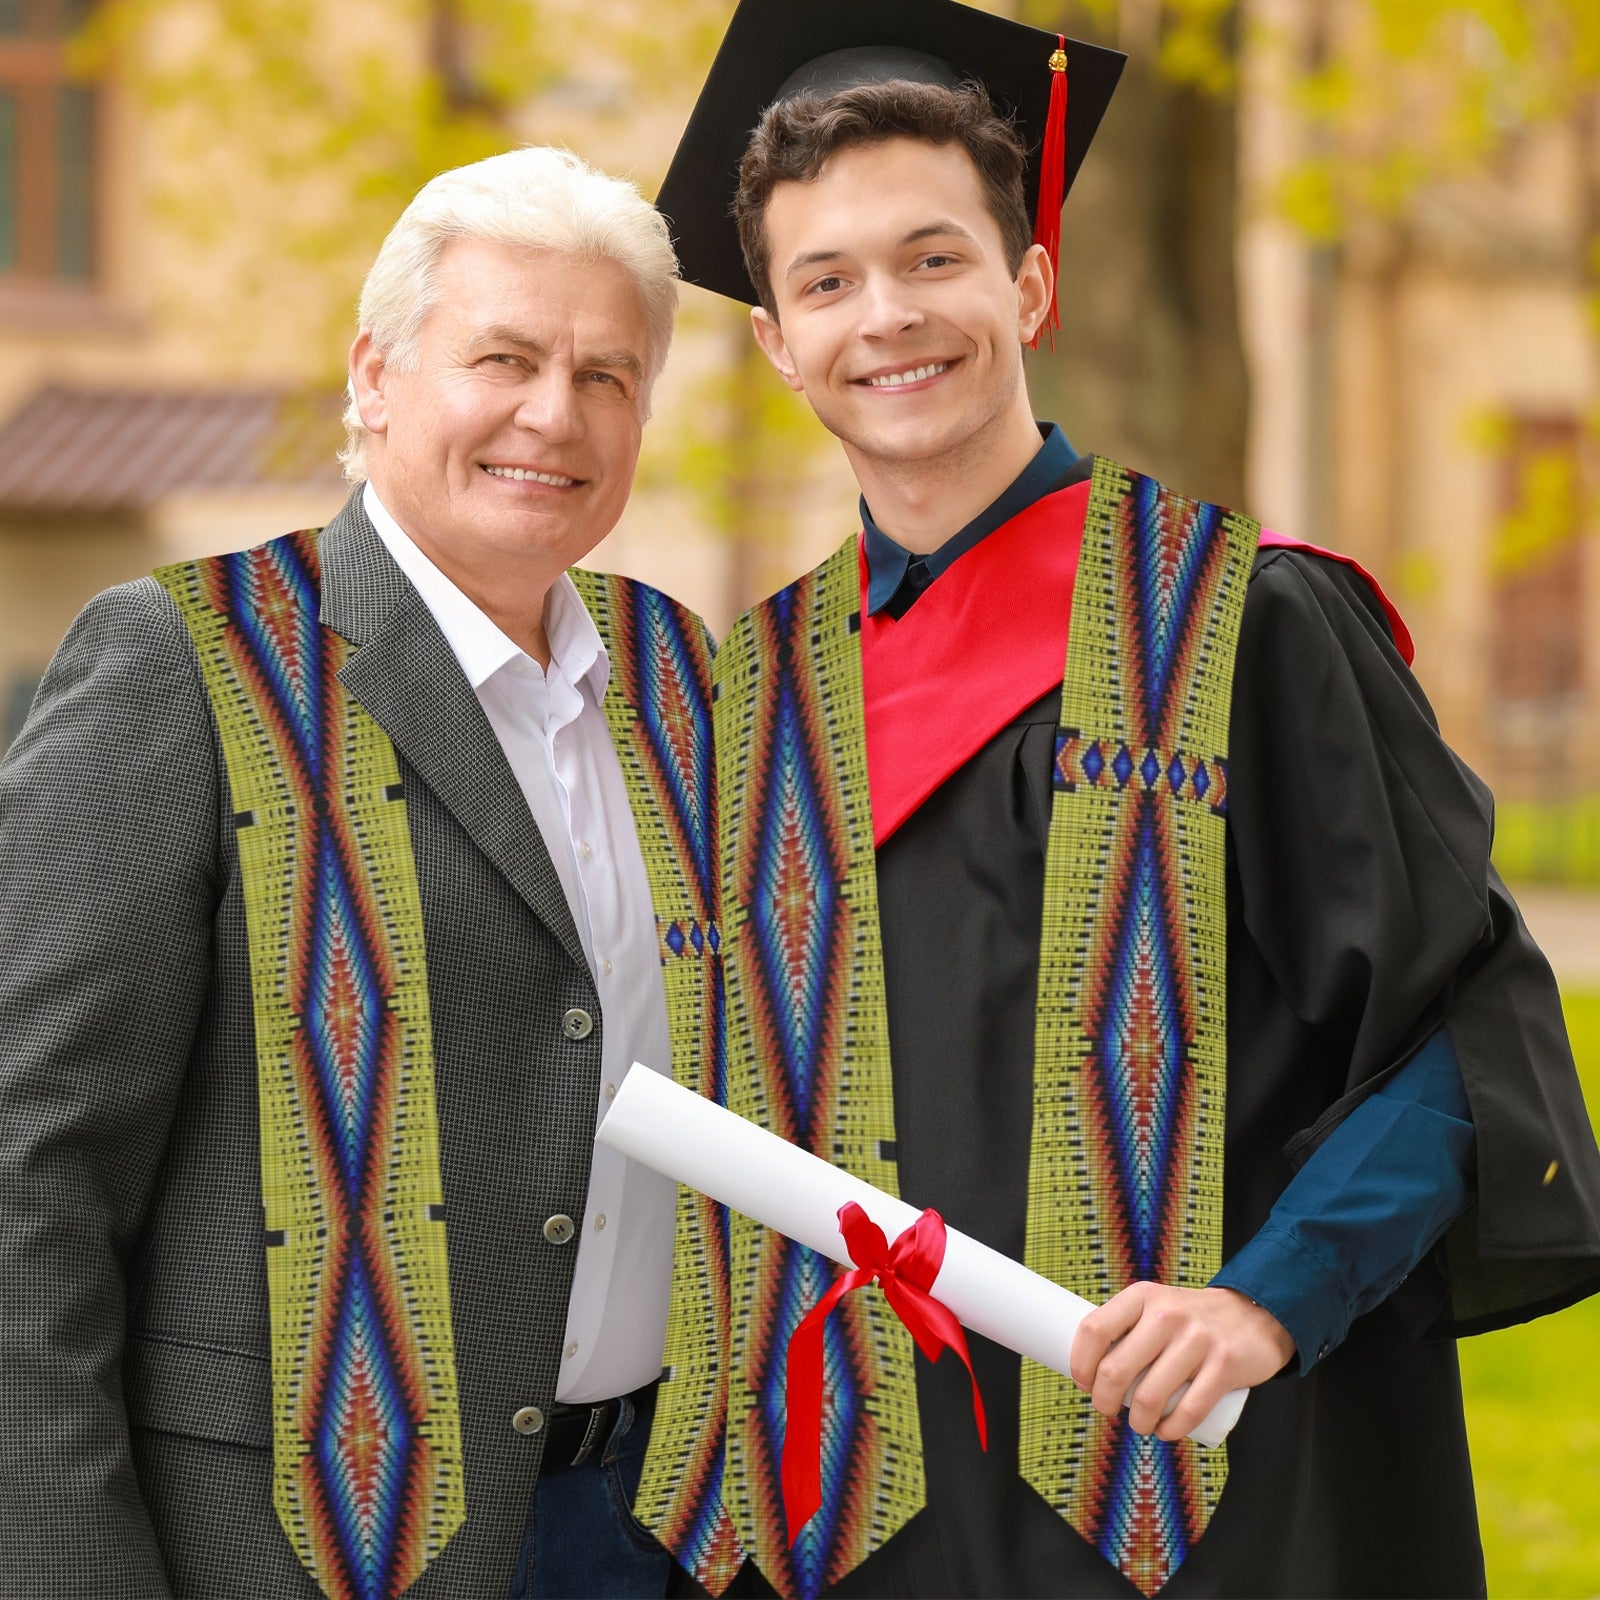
x=1215, y=1340
x=673, y=1130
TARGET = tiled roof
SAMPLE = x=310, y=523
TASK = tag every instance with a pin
x=87, y=450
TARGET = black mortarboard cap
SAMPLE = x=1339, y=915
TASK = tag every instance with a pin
x=777, y=48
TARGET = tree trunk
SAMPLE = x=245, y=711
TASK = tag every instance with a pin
x=1148, y=366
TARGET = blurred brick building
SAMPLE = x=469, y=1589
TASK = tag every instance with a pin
x=1421, y=396
x=133, y=433
x=119, y=449
x=1426, y=396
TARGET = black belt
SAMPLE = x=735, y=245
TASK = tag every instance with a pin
x=573, y=1433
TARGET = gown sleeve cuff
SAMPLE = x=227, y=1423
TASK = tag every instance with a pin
x=1281, y=1274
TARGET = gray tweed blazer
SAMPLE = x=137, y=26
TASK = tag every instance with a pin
x=135, y=1454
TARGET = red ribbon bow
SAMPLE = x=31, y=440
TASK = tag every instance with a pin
x=906, y=1269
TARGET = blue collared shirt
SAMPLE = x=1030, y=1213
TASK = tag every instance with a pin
x=892, y=569
x=1367, y=1206
x=1379, y=1192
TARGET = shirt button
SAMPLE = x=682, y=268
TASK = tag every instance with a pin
x=607, y=968
x=530, y=1419
x=577, y=1023
x=588, y=850
x=611, y=1091
x=571, y=1350
x=600, y=1223
x=559, y=1229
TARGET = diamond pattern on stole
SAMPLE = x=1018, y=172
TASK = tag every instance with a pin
x=367, y=1462
x=806, y=1012
x=1125, y=1178
x=658, y=710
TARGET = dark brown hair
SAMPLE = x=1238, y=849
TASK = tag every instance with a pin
x=796, y=137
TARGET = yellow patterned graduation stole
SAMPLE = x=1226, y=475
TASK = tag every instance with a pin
x=367, y=1461
x=1131, y=981
x=808, y=1042
x=1130, y=1063
x=658, y=710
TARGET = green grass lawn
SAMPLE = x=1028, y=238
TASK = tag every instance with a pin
x=1533, y=1413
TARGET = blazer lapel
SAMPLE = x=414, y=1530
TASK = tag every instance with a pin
x=404, y=674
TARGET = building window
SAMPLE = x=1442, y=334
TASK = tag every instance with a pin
x=47, y=147
x=1538, y=567
x=1539, y=633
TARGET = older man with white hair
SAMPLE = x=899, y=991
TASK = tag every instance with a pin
x=340, y=880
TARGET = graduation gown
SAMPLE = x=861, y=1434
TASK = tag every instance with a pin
x=1363, y=913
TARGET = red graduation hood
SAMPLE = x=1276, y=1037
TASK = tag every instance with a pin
x=981, y=645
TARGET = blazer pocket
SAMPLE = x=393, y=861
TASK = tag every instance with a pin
x=174, y=1385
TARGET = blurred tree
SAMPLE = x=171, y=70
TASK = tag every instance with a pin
x=329, y=117
x=1405, y=102
x=1394, y=99
x=293, y=132
x=744, y=446
x=1401, y=95
x=1149, y=367
x=300, y=128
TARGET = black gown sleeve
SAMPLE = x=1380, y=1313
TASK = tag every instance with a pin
x=1360, y=847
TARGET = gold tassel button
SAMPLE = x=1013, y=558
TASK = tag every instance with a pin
x=1058, y=62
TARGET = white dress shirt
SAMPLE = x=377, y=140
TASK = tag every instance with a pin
x=550, y=724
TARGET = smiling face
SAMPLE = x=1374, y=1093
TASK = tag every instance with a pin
x=898, y=316
x=508, y=450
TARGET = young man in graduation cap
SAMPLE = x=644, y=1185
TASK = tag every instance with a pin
x=1094, y=874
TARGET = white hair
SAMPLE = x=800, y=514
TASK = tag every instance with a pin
x=536, y=197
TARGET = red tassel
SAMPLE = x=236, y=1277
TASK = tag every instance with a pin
x=1052, y=183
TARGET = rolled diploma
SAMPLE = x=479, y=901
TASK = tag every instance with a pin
x=675, y=1131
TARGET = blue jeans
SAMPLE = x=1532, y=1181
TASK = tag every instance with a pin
x=582, y=1542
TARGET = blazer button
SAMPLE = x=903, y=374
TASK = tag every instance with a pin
x=559, y=1229
x=577, y=1024
x=530, y=1419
